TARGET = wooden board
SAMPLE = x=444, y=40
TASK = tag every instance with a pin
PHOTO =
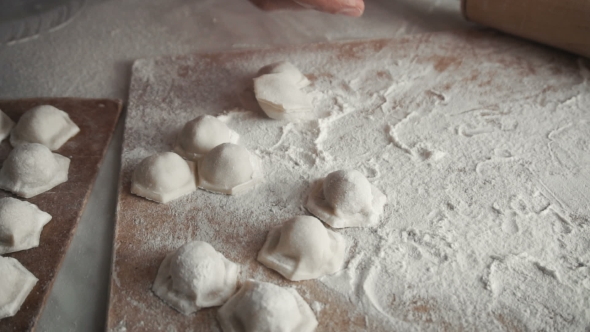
x=97, y=119
x=167, y=91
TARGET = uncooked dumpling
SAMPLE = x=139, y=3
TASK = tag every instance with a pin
x=229, y=169
x=302, y=248
x=163, y=177
x=21, y=224
x=195, y=276
x=264, y=307
x=281, y=99
x=16, y=282
x=346, y=199
x=45, y=125
x=6, y=125
x=31, y=169
x=289, y=70
x=202, y=134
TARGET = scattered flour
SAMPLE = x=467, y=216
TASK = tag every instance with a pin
x=317, y=307
x=480, y=143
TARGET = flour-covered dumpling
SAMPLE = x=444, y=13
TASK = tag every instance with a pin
x=45, y=125
x=201, y=135
x=281, y=99
x=195, y=276
x=302, y=248
x=264, y=307
x=229, y=169
x=6, y=125
x=31, y=169
x=346, y=199
x=16, y=282
x=287, y=68
x=21, y=224
x=163, y=177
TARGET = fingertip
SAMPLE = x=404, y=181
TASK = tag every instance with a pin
x=353, y=12
x=361, y=6
x=355, y=9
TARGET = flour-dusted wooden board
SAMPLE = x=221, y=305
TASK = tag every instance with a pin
x=445, y=124
x=97, y=119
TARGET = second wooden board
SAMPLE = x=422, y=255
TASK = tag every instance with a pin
x=65, y=203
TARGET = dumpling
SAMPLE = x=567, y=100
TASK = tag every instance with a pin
x=346, y=198
x=281, y=99
x=45, y=125
x=195, y=276
x=16, y=282
x=6, y=125
x=229, y=169
x=202, y=134
x=302, y=248
x=21, y=224
x=163, y=177
x=264, y=307
x=289, y=70
x=31, y=169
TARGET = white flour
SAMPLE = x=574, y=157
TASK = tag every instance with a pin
x=484, y=158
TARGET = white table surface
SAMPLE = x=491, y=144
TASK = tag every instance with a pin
x=91, y=56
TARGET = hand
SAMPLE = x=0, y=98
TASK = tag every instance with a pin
x=353, y=8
